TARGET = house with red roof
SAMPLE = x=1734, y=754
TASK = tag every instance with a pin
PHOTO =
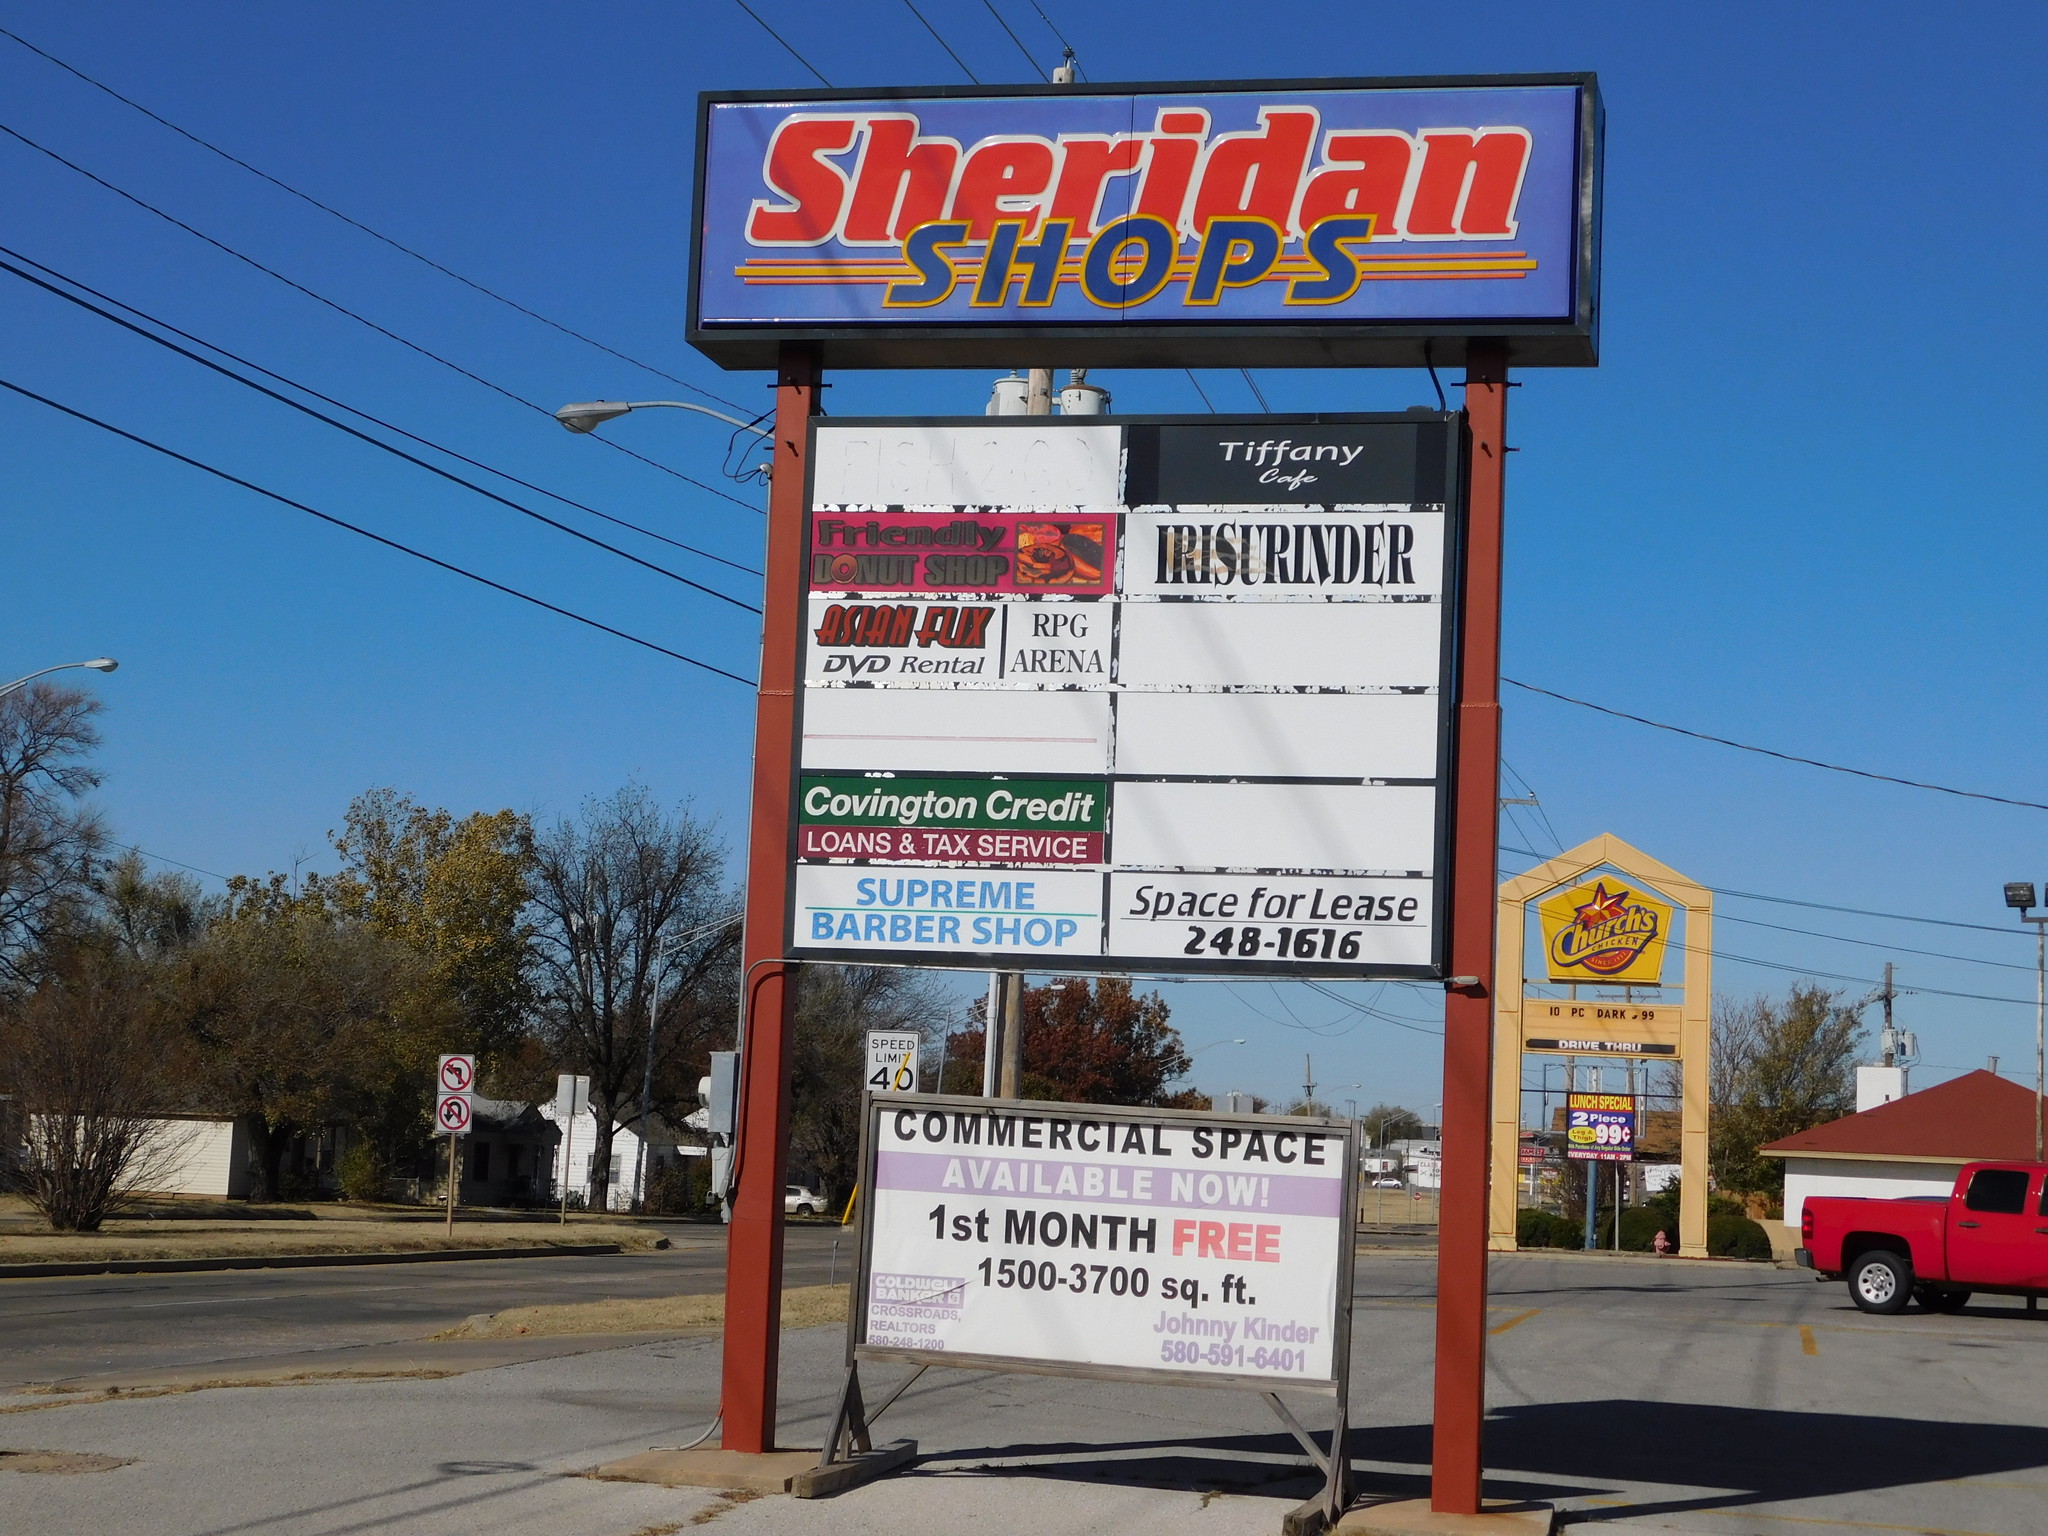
x=1911, y=1146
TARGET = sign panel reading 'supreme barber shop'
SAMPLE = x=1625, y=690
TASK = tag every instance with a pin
x=1305, y=222
x=1164, y=695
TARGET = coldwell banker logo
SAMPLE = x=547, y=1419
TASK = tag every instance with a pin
x=1594, y=933
x=1175, y=210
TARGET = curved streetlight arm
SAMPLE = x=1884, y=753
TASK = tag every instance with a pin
x=589, y=415
x=97, y=664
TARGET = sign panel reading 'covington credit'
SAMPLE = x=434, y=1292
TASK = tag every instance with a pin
x=1208, y=1247
x=1163, y=695
x=1306, y=222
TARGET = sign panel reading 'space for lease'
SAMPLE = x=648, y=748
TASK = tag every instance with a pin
x=1162, y=695
x=1307, y=222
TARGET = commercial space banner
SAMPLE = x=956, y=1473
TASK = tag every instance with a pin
x=1203, y=735
x=1206, y=1249
x=1304, y=223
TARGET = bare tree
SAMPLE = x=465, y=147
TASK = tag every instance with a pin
x=48, y=839
x=836, y=1007
x=626, y=898
x=89, y=1058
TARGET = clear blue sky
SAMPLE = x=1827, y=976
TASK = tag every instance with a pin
x=1798, y=503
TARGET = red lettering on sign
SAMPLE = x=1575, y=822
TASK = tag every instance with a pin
x=1257, y=173
x=1086, y=165
x=1003, y=179
x=902, y=181
x=1268, y=1245
x=1210, y=1244
x=813, y=190
x=1170, y=158
x=1469, y=184
x=1362, y=173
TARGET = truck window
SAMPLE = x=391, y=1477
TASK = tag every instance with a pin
x=2002, y=1190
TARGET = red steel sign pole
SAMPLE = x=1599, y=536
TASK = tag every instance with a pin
x=753, y=1275
x=1456, y=1467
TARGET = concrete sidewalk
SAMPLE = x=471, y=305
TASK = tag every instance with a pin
x=1733, y=1399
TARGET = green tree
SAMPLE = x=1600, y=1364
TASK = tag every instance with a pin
x=1778, y=1068
x=300, y=1017
x=1385, y=1123
x=452, y=891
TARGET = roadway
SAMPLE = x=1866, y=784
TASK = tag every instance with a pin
x=55, y=1329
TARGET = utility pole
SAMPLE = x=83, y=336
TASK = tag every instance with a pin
x=1308, y=1080
x=1888, y=1040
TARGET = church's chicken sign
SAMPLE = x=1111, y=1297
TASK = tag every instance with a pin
x=1446, y=206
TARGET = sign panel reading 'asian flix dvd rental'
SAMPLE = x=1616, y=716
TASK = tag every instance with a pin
x=1166, y=695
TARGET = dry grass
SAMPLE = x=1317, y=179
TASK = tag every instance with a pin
x=808, y=1306
x=200, y=1239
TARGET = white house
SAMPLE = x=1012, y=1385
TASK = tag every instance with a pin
x=1908, y=1146
x=660, y=1147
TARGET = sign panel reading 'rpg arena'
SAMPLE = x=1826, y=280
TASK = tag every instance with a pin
x=1304, y=222
x=1165, y=694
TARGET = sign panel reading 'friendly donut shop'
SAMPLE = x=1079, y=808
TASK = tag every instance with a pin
x=1161, y=694
x=1322, y=222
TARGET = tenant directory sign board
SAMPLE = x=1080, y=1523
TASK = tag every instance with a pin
x=1159, y=694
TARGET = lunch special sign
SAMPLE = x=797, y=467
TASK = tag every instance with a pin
x=1305, y=222
x=1154, y=693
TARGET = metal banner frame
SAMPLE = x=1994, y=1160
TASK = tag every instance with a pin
x=849, y=1433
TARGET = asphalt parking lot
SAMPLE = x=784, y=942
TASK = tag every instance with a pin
x=1638, y=1395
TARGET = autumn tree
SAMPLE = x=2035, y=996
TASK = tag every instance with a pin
x=628, y=899
x=1385, y=1123
x=300, y=1016
x=49, y=838
x=454, y=892
x=1085, y=1043
x=1778, y=1068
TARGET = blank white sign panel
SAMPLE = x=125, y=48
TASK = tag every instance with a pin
x=919, y=466
x=1286, y=645
x=1278, y=735
x=1377, y=829
x=1144, y=695
x=962, y=731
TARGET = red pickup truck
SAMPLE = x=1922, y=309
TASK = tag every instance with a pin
x=1989, y=1234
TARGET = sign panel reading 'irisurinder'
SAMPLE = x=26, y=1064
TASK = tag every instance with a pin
x=1161, y=694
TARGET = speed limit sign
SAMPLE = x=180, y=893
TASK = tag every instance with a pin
x=452, y=1114
x=892, y=1061
x=458, y=1074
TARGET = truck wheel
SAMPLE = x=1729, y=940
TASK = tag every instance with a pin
x=1944, y=1301
x=1881, y=1282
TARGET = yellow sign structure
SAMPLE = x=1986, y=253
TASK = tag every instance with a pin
x=1605, y=932
x=1605, y=911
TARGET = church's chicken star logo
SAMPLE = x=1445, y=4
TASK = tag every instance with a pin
x=1606, y=934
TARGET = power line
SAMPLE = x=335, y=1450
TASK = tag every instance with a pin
x=307, y=197
x=1199, y=390
x=1822, y=906
x=160, y=859
x=807, y=64
x=1742, y=746
x=970, y=74
x=1896, y=949
x=1055, y=31
x=1013, y=37
x=343, y=309
x=341, y=426
x=378, y=538
x=342, y=405
x=1257, y=393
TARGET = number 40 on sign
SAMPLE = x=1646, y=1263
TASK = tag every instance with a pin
x=892, y=1061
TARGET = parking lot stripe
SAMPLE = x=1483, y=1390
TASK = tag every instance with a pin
x=1808, y=1344
x=1514, y=1322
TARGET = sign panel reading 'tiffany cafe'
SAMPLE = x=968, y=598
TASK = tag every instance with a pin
x=1159, y=695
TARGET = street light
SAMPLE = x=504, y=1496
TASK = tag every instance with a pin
x=97, y=664
x=1212, y=1046
x=2019, y=895
x=589, y=415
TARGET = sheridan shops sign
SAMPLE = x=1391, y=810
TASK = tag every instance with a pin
x=1298, y=223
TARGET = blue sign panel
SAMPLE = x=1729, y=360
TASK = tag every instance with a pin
x=1305, y=223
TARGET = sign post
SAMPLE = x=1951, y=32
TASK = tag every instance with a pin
x=454, y=1109
x=572, y=1097
x=1099, y=673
